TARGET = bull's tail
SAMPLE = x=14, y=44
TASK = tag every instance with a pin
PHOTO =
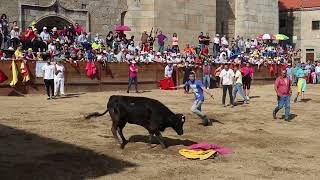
x=96, y=114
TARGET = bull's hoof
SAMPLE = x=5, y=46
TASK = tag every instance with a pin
x=123, y=144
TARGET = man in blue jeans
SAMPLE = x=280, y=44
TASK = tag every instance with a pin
x=198, y=91
x=206, y=74
x=283, y=89
x=196, y=85
x=238, y=85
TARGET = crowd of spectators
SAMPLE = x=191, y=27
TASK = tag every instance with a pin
x=72, y=43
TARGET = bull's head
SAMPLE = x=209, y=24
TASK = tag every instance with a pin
x=178, y=126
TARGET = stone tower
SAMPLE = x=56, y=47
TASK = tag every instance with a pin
x=254, y=17
x=247, y=18
x=187, y=18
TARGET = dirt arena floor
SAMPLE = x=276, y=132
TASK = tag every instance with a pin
x=41, y=139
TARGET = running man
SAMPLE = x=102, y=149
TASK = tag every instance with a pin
x=282, y=87
x=238, y=85
x=302, y=83
x=198, y=90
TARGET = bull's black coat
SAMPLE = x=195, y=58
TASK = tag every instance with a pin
x=146, y=112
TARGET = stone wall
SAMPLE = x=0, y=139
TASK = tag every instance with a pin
x=291, y=26
x=310, y=39
x=140, y=16
x=226, y=17
x=246, y=18
x=254, y=17
x=104, y=14
x=298, y=26
x=185, y=17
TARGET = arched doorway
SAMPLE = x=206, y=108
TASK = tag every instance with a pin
x=52, y=15
x=52, y=21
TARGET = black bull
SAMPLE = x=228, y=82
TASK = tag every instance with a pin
x=146, y=112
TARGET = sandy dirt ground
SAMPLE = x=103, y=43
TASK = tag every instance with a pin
x=41, y=139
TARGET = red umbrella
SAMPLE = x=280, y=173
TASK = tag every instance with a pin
x=122, y=28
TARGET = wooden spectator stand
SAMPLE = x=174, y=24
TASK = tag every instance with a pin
x=110, y=76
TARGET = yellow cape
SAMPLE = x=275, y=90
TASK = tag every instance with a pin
x=192, y=154
x=14, y=74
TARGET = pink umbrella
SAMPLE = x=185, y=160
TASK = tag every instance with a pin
x=122, y=28
x=266, y=36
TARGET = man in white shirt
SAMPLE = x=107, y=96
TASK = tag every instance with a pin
x=14, y=36
x=45, y=36
x=238, y=85
x=248, y=46
x=82, y=38
x=48, y=78
x=224, y=41
x=59, y=79
x=168, y=71
x=216, y=45
x=226, y=80
x=317, y=70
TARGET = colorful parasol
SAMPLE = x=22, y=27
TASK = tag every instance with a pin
x=122, y=28
x=282, y=37
x=266, y=36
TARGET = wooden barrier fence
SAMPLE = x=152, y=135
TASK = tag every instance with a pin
x=111, y=76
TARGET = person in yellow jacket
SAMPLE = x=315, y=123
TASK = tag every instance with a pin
x=14, y=70
x=96, y=45
x=18, y=54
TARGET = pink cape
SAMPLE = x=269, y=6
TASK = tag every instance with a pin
x=206, y=146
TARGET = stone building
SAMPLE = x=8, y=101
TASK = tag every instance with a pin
x=246, y=18
x=300, y=20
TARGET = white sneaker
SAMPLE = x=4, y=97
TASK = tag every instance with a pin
x=248, y=99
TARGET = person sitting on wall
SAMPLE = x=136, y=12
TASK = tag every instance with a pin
x=29, y=55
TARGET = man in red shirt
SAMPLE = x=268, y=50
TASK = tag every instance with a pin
x=133, y=75
x=78, y=29
x=282, y=87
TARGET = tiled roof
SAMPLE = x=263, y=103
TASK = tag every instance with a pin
x=286, y=5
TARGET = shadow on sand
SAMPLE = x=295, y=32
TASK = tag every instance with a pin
x=67, y=96
x=292, y=116
x=168, y=141
x=25, y=155
x=306, y=100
